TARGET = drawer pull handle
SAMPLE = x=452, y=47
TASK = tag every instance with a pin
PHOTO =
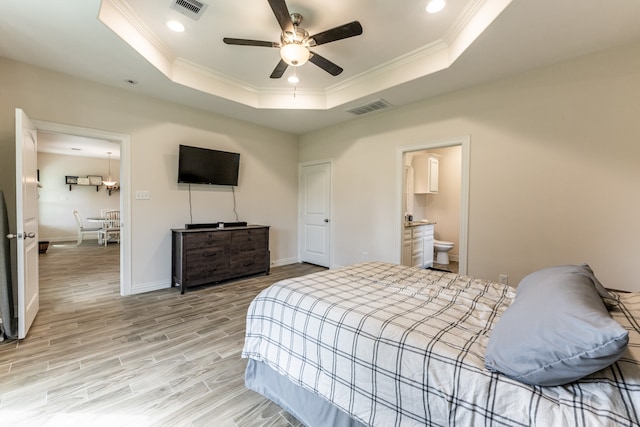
x=247, y=264
x=209, y=255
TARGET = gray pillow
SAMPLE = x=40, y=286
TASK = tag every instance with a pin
x=557, y=330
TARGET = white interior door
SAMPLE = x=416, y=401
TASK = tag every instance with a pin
x=27, y=222
x=315, y=209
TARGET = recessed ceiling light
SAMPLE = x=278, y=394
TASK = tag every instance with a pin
x=435, y=6
x=175, y=26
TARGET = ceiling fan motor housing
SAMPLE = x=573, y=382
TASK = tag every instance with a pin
x=296, y=19
x=298, y=35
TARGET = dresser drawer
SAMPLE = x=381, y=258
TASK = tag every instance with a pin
x=208, y=264
x=254, y=262
x=210, y=239
x=247, y=241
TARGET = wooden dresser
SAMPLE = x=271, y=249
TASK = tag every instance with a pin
x=210, y=255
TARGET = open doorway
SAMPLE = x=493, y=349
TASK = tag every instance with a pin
x=73, y=173
x=447, y=206
x=96, y=140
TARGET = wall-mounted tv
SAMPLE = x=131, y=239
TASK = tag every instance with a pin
x=206, y=166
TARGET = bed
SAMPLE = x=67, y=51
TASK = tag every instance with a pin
x=386, y=345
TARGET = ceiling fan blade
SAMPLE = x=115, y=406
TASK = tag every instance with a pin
x=279, y=70
x=325, y=64
x=338, y=33
x=282, y=14
x=245, y=42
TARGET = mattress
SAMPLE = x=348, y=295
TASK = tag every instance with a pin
x=401, y=346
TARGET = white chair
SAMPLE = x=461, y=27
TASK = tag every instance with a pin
x=110, y=226
x=82, y=230
x=104, y=211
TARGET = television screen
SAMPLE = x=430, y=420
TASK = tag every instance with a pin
x=205, y=166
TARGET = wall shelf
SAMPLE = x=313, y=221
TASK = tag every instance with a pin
x=84, y=185
x=84, y=181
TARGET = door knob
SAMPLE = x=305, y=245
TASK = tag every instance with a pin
x=21, y=235
x=326, y=220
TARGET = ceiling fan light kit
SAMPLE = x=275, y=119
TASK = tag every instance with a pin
x=294, y=54
x=295, y=42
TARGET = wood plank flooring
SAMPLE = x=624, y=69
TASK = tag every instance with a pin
x=95, y=358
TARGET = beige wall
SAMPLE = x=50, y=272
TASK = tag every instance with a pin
x=268, y=164
x=554, y=170
x=554, y=174
x=56, y=203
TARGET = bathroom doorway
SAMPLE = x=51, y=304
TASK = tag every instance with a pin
x=448, y=206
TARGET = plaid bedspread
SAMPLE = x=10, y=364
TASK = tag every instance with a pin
x=402, y=346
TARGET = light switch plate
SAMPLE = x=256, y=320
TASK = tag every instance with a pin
x=142, y=195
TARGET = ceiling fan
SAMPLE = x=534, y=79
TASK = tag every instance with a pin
x=295, y=41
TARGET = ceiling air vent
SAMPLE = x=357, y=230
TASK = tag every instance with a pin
x=377, y=105
x=191, y=8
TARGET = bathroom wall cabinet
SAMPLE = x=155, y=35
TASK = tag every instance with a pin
x=417, y=247
x=426, y=171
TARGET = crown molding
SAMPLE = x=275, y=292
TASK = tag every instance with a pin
x=118, y=16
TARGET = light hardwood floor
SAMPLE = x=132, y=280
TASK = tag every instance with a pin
x=154, y=359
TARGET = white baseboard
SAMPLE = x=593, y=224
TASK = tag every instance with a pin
x=58, y=239
x=139, y=288
x=285, y=261
x=66, y=239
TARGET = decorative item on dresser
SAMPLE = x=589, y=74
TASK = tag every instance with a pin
x=201, y=256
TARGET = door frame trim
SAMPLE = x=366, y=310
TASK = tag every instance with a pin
x=125, y=188
x=331, y=207
x=465, y=142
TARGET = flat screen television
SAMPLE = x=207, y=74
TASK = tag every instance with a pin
x=206, y=166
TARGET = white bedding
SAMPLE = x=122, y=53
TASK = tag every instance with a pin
x=400, y=346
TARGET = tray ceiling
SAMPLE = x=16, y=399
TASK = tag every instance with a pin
x=404, y=54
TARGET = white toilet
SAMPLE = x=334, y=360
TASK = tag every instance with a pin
x=442, y=249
